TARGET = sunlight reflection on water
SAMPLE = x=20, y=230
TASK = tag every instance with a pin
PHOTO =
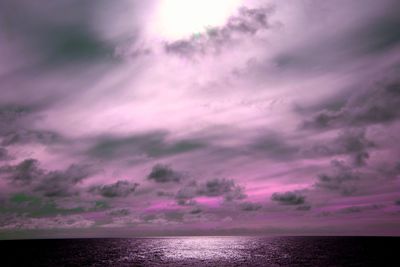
x=205, y=248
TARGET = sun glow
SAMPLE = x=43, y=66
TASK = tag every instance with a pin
x=177, y=19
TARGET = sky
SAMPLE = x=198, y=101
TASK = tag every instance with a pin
x=186, y=117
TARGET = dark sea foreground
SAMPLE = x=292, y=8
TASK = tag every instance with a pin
x=204, y=251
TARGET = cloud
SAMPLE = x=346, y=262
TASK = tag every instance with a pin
x=354, y=142
x=217, y=187
x=163, y=174
x=48, y=183
x=221, y=103
x=11, y=113
x=185, y=195
x=236, y=193
x=342, y=179
x=31, y=136
x=304, y=208
x=275, y=146
x=4, y=154
x=63, y=38
x=153, y=144
x=381, y=34
x=221, y=187
x=196, y=211
x=62, y=183
x=57, y=222
x=360, y=208
x=23, y=173
x=119, y=212
x=374, y=32
x=174, y=216
x=374, y=104
x=247, y=22
x=165, y=194
x=250, y=206
x=288, y=198
x=16, y=123
x=351, y=141
x=115, y=190
x=31, y=205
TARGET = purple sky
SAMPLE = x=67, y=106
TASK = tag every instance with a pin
x=194, y=117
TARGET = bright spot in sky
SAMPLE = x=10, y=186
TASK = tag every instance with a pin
x=177, y=19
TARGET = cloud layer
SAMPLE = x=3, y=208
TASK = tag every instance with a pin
x=284, y=116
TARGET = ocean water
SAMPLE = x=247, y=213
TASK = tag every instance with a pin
x=204, y=251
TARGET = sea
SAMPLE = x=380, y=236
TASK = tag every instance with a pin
x=204, y=251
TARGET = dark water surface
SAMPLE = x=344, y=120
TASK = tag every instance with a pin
x=204, y=251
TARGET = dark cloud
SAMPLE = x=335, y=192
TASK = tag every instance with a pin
x=115, y=190
x=389, y=170
x=373, y=105
x=352, y=142
x=225, y=188
x=164, y=174
x=362, y=208
x=11, y=118
x=46, y=39
x=100, y=205
x=174, y=216
x=46, y=223
x=74, y=42
x=250, y=206
x=185, y=195
x=149, y=217
x=236, y=193
x=196, y=211
x=23, y=173
x=221, y=187
x=377, y=34
x=289, y=198
x=16, y=123
x=62, y=183
x=352, y=210
x=397, y=202
x=342, y=178
x=165, y=194
x=28, y=173
x=304, y=208
x=153, y=144
x=380, y=34
x=31, y=136
x=119, y=212
x=216, y=187
x=9, y=114
x=247, y=22
x=4, y=154
x=60, y=33
x=35, y=206
x=274, y=146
